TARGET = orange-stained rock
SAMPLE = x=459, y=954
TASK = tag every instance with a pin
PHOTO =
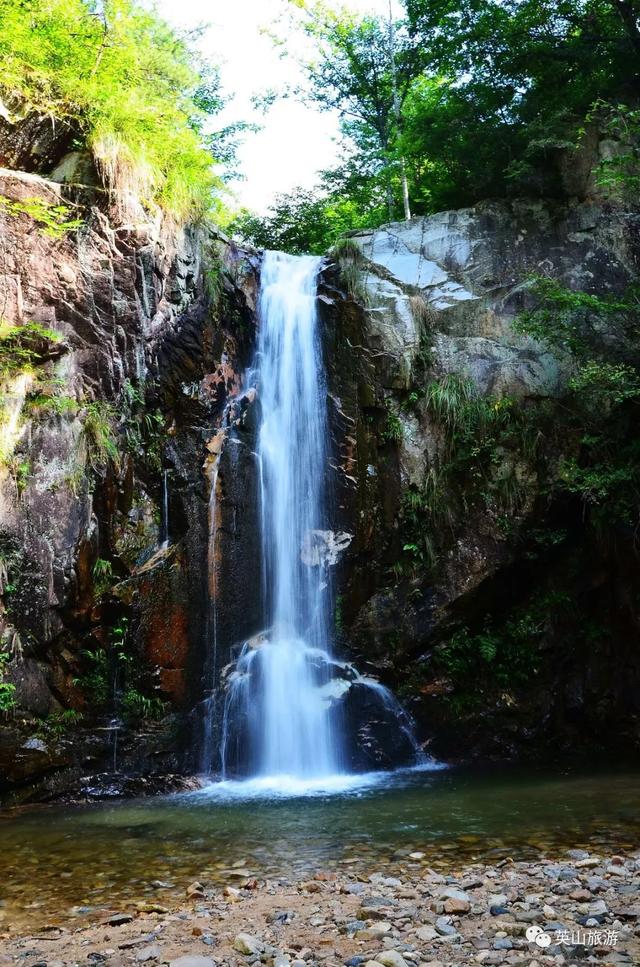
x=173, y=684
x=164, y=625
x=166, y=635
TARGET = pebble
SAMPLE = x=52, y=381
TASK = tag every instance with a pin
x=410, y=915
x=502, y=943
x=195, y=889
x=356, y=889
x=280, y=916
x=497, y=900
x=444, y=927
x=598, y=907
x=391, y=958
x=246, y=944
x=192, y=961
x=374, y=932
x=118, y=919
x=456, y=901
x=454, y=905
x=148, y=953
x=426, y=933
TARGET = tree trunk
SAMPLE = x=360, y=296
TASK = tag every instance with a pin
x=396, y=111
x=405, y=190
x=390, y=198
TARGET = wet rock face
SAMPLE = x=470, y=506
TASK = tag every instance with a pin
x=133, y=384
x=34, y=143
x=442, y=294
x=374, y=736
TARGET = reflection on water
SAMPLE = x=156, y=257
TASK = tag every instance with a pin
x=62, y=861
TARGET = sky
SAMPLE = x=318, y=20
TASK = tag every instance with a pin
x=296, y=140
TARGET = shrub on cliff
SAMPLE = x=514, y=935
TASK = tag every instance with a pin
x=129, y=87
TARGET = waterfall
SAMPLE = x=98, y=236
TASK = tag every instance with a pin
x=281, y=674
x=291, y=709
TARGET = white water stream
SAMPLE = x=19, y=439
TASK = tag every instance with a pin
x=279, y=676
x=283, y=720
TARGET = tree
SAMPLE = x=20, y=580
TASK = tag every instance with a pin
x=312, y=220
x=362, y=67
x=520, y=74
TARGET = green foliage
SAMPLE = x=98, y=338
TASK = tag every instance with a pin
x=213, y=277
x=573, y=321
x=453, y=401
x=485, y=440
x=23, y=347
x=504, y=655
x=137, y=706
x=461, y=100
x=23, y=351
x=114, y=678
x=392, y=430
x=59, y=723
x=99, y=430
x=351, y=267
x=605, y=385
x=52, y=219
x=45, y=403
x=619, y=174
x=309, y=221
x=7, y=696
x=102, y=576
x=7, y=689
x=141, y=425
x=126, y=85
x=94, y=682
x=338, y=613
x=601, y=407
x=490, y=115
x=20, y=469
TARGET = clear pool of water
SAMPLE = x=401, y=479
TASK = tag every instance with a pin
x=62, y=861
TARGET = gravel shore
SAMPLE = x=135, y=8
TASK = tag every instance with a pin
x=581, y=907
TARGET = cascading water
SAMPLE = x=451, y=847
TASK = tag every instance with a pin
x=291, y=709
x=280, y=675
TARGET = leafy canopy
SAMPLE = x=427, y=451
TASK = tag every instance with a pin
x=469, y=99
x=130, y=88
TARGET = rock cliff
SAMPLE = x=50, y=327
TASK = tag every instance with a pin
x=469, y=580
x=119, y=338
x=474, y=584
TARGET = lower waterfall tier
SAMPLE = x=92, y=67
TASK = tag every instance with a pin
x=293, y=710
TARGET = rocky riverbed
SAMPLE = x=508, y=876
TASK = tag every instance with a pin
x=580, y=906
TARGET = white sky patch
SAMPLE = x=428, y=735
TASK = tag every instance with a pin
x=296, y=141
